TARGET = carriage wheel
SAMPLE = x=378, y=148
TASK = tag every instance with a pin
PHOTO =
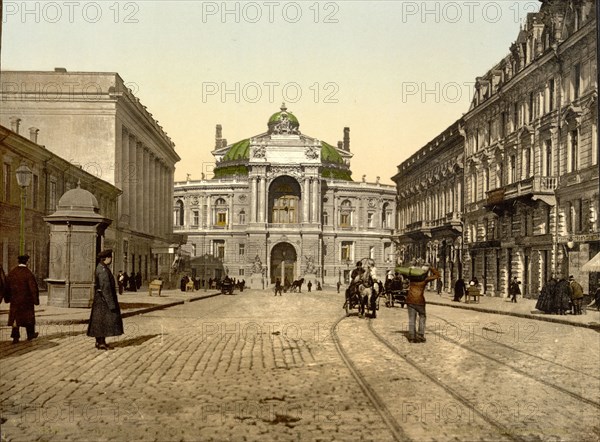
x=347, y=306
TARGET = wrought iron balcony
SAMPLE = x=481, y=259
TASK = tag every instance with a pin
x=530, y=187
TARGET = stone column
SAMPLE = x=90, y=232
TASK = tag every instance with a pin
x=169, y=200
x=160, y=200
x=152, y=202
x=209, y=217
x=146, y=201
x=315, y=200
x=335, y=213
x=139, y=187
x=133, y=181
x=305, y=199
x=122, y=174
x=254, y=202
x=263, y=192
x=230, y=214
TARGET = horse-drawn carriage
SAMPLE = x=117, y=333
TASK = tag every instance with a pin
x=227, y=287
x=395, y=290
x=364, y=290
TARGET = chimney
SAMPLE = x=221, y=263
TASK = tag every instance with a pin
x=15, y=122
x=33, y=134
x=218, y=136
x=224, y=142
x=347, y=139
x=340, y=145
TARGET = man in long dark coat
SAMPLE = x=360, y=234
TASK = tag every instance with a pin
x=22, y=293
x=105, y=319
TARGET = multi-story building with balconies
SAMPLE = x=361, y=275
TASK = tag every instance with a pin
x=531, y=155
x=430, y=205
x=284, y=204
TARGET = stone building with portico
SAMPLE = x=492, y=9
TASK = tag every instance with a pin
x=284, y=203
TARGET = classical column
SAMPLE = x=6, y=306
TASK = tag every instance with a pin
x=315, y=200
x=263, y=193
x=123, y=177
x=253, y=201
x=230, y=214
x=335, y=213
x=209, y=218
x=305, y=199
x=169, y=200
x=160, y=200
x=131, y=171
x=152, y=202
x=139, y=188
x=146, y=200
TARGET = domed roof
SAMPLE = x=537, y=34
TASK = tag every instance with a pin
x=238, y=151
x=78, y=200
x=279, y=117
x=329, y=154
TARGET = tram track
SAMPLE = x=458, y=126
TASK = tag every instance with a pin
x=391, y=419
x=519, y=371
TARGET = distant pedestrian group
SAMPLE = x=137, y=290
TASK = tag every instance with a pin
x=563, y=296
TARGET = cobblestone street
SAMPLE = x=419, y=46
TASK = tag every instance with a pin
x=257, y=367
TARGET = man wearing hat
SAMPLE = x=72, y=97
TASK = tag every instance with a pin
x=514, y=289
x=105, y=319
x=22, y=293
x=576, y=295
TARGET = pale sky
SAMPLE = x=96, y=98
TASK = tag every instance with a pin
x=396, y=72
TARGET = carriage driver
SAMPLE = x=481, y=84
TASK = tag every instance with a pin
x=355, y=278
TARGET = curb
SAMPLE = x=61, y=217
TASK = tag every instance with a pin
x=593, y=326
x=126, y=314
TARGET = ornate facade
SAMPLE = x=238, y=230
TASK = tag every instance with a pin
x=283, y=204
x=93, y=120
x=531, y=155
x=430, y=204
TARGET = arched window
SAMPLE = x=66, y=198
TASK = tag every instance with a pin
x=346, y=214
x=284, y=201
x=242, y=217
x=220, y=212
x=179, y=213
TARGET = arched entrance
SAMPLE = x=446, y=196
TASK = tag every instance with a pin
x=283, y=263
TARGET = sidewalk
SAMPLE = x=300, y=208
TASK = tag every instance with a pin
x=524, y=308
x=132, y=303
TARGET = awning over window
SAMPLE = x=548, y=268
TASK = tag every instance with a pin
x=593, y=265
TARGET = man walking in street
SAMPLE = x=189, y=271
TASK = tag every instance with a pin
x=121, y=281
x=459, y=289
x=415, y=303
x=576, y=295
x=514, y=289
x=22, y=293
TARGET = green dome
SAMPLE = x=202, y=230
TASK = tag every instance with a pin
x=276, y=118
x=330, y=155
x=238, y=151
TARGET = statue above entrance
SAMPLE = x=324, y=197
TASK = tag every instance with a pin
x=257, y=266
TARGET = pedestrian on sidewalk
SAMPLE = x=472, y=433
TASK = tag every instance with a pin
x=339, y=284
x=415, y=303
x=105, y=318
x=562, y=296
x=546, y=301
x=514, y=289
x=22, y=293
x=576, y=295
x=309, y=285
x=120, y=281
x=459, y=289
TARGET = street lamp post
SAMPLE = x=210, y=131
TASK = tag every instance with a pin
x=23, y=180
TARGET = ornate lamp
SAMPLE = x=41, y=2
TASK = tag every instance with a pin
x=23, y=174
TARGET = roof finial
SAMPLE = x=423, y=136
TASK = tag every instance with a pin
x=283, y=108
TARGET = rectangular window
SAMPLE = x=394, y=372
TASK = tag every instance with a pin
x=527, y=161
x=221, y=219
x=503, y=124
x=513, y=169
x=241, y=272
x=242, y=217
x=370, y=219
x=551, y=86
x=476, y=139
x=372, y=252
x=548, y=158
x=7, y=179
x=530, y=107
x=574, y=141
x=489, y=132
x=576, y=81
x=515, y=116
x=242, y=249
x=196, y=217
x=325, y=219
x=580, y=216
x=346, y=251
x=219, y=248
x=345, y=220
x=194, y=250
